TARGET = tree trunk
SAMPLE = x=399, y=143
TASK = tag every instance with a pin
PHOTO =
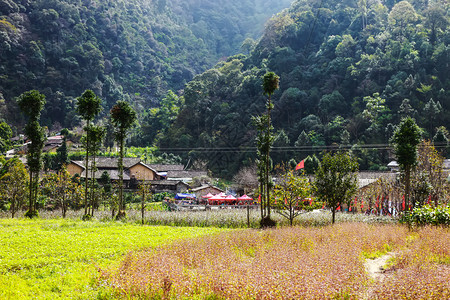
x=261, y=190
x=121, y=206
x=36, y=183
x=13, y=207
x=86, y=177
x=333, y=214
x=30, y=207
x=407, y=186
x=268, y=159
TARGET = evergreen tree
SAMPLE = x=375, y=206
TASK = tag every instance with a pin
x=265, y=141
x=62, y=153
x=88, y=107
x=122, y=117
x=31, y=103
x=405, y=139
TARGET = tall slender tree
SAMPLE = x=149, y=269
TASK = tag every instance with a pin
x=265, y=141
x=406, y=138
x=31, y=103
x=88, y=107
x=97, y=135
x=122, y=117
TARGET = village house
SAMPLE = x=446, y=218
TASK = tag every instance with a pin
x=187, y=176
x=133, y=169
x=169, y=186
x=206, y=189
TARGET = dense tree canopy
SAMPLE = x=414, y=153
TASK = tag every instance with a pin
x=349, y=72
x=122, y=50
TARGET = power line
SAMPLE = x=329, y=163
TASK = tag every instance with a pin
x=246, y=149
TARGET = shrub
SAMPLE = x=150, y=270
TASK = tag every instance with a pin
x=427, y=215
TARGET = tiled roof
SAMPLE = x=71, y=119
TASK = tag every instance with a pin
x=165, y=168
x=186, y=174
x=205, y=187
x=113, y=174
x=111, y=162
x=167, y=182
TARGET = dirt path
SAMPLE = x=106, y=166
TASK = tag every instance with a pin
x=374, y=268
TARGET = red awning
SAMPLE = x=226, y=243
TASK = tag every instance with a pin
x=217, y=198
x=230, y=198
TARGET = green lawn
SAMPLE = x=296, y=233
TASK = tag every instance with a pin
x=51, y=259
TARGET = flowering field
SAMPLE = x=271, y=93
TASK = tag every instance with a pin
x=59, y=259
x=290, y=263
x=223, y=218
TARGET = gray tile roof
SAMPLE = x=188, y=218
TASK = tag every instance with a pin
x=111, y=162
x=113, y=174
x=165, y=168
x=185, y=174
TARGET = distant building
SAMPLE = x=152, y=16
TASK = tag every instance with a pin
x=186, y=176
x=169, y=186
x=133, y=168
x=134, y=172
x=393, y=165
x=206, y=189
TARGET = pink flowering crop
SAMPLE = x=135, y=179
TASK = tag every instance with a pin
x=285, y=263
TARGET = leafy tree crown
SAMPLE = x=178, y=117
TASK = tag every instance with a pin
x=122, y=115
x=31, y=103
x=405, y=139
x=88, y=105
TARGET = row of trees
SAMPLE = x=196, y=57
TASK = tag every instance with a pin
x=88, y=107
x=335, y=179
x=335, y=184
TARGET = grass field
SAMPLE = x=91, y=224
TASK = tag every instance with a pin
x=59, y=259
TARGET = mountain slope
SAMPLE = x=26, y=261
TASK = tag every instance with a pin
x=134, y=50
x=349, y=71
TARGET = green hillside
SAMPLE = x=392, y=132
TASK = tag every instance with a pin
x=349, y=71
x=132, y=50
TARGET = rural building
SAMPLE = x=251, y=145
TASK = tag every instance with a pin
x=133, y=168
x=134, y=171
x=186, y=176
x=206, y=189
x=169, y=186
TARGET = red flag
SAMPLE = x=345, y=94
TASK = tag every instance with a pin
x=339, y=208
x=323, y=206
x=403, y=203
x=300, y=165
x=259, y=198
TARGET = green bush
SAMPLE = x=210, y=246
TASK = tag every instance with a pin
x=427, y=215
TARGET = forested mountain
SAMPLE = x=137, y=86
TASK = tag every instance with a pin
x=132, y=50
x=349, y=71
